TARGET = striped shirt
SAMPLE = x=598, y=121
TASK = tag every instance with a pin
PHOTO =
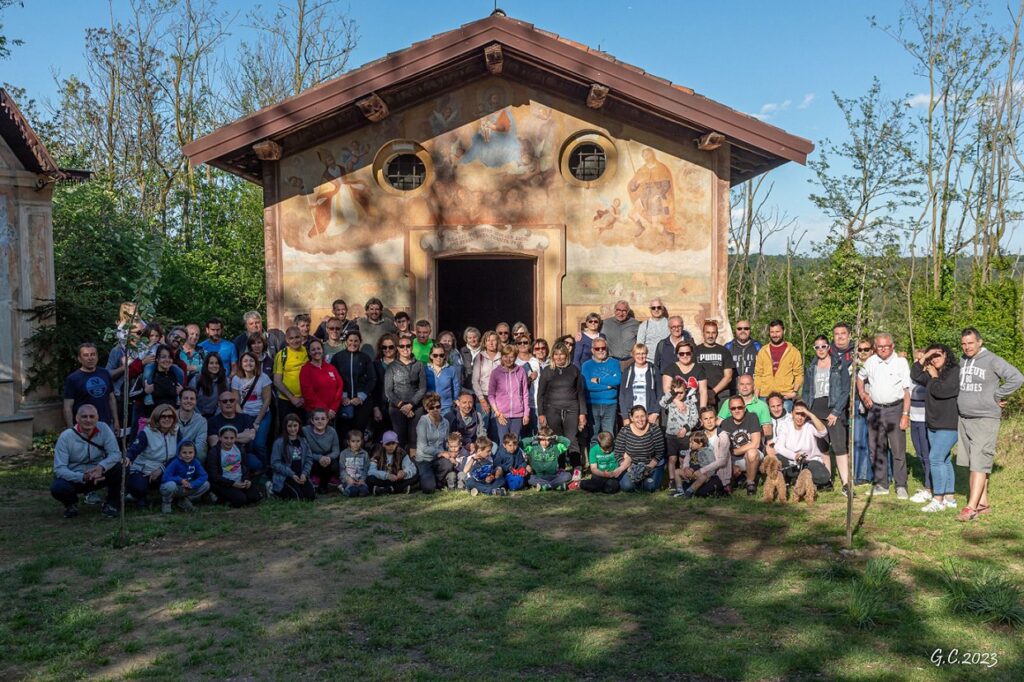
x=642, y=449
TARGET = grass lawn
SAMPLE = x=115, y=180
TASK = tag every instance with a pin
x=538, y=585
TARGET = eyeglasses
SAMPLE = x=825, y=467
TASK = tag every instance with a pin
x=881, y=346
x=593, y=321
x=737, y=409
x=675, y=326
x=522, y=343
x=743, y=329
x=388, y=346
x=820, y=347
x=405, y=345
x=656, y=307
x=166, y=416
x=437, y=355
x=864, y=350
x=503, y=333
x=540, y=347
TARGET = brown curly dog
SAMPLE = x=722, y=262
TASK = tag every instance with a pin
x=804, y=488
x=774, y=483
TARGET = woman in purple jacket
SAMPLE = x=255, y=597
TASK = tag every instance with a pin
x=509, y=394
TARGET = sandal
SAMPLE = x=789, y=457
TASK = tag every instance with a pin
x=967, y=514
x=984, y=509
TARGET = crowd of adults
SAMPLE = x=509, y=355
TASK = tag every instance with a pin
x=379, y=405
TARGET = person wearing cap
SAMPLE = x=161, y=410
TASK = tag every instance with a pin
x=228, y=471
x=391, y=468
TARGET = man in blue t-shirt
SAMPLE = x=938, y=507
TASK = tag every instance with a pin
x=90, y=385
x=216, y=344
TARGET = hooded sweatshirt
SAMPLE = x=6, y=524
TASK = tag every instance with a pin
x=985, y=379
x=179, y=470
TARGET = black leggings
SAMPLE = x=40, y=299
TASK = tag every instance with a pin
x=295, y=491
x=400, y=486
x=565, y=422
x=600, y=484
x=404, y=426
x=357, y=422
x=236, y=497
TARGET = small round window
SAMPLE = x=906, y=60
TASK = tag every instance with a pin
x=405, y=172
x=587, y=162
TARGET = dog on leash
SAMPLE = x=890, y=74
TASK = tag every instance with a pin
x=804, y=488
x=774, y=483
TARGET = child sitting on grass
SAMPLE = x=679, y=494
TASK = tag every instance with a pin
x=291, y=460
x=698, y=475
x=324, y=444
x=515, y=474
x=605, y=467
x=355, y=465
x=228, y=471
x=184, y=479
x=457, y=453
x=391, y=468
x=485, y=472
x=542, y=456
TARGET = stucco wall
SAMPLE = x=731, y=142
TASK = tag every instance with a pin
x=494, y=152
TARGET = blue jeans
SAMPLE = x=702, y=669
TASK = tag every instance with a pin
x=942, y=442
x=361, y=490
x=259, y=443
x=485, y=488
x=602, y=418
x=649, y=485
x=512, y=425
x=919, y=436
x=862, y=470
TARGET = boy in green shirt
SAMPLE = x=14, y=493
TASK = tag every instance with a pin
x=542, y=458
x=605, y=467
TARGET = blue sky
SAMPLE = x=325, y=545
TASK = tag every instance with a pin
x=780, y=60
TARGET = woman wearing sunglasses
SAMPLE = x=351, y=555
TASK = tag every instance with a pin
x=405, y=383
x=443, y=378
x=827, y=392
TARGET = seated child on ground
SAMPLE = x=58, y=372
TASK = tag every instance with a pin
x=458, y=453
x=291, y=461
x=605, y=467
x=355, y=464
x=184, y=479
x=542, y=456
x=228, y=471
x=515, y=474
x=391, y=468
x=325, y=445
x=485, y=470
x=695, y=470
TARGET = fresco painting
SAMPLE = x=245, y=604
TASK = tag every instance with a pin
x=496, y=148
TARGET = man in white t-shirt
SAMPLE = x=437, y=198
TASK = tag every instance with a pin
x=883, y=384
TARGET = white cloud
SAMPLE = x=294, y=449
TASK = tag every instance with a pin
x=919, y=100
x=806, y=102
x=769, y=109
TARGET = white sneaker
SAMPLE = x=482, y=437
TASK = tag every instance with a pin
x=949, y=504
x=933, y=506
x=901, y=494
x=95, y=497
x=921, y=495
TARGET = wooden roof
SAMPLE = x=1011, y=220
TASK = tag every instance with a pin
x=530, y=55
x=23, y=141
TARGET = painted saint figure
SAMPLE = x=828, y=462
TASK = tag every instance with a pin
x=651, y=193
x=339, y=202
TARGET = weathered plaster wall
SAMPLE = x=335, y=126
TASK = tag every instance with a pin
x=654, y=225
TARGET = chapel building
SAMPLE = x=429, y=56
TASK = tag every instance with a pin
x=498, y=172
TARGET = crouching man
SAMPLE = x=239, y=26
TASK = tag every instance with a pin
x=86, y=458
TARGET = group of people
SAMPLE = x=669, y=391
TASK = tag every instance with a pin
x=378, y=405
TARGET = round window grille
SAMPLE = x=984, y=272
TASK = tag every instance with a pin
x=405, y=172
x=587, y=162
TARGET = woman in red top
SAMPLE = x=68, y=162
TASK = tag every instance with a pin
x=320, y=382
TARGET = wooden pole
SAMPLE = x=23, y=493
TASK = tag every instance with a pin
x=854, y=368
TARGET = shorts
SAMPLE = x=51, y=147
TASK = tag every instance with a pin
x=741, y=462
x=976, y=446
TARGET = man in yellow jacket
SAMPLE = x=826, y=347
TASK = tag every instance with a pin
x=779, y=366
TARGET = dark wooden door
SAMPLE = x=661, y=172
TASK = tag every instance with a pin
x=481, y=292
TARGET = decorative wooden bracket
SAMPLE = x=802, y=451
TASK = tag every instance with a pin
x=597, y=96
x=494, y=59
x=373, y=108
x=267, y=150
x=710, y=142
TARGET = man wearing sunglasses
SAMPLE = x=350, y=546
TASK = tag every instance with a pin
x=654, y=328
x=744, y=350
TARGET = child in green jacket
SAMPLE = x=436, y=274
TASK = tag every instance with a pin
x=542, y=458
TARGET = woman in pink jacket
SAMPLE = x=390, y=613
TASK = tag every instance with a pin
x=509, y=394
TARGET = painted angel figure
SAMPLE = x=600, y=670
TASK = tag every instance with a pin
x=605, y=218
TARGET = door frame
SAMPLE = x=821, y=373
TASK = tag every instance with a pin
x=545, y=243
